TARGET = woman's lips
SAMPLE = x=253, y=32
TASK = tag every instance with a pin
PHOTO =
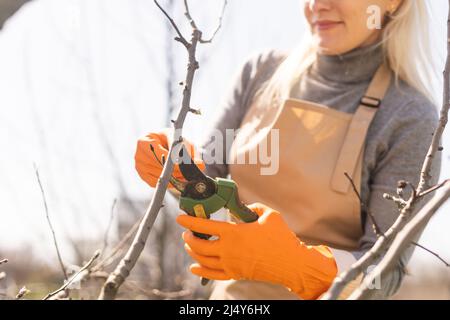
x=326, y=24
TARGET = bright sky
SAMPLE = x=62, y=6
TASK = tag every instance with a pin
x=79, y=74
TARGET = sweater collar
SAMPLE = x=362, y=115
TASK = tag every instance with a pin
x=357, y=65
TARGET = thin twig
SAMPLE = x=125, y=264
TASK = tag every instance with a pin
x=22, y=293
x=180, y=37
x=108, y=228
x=74, y=276
x=434, y=188
x=55, y=242
x=117, y=248
x=225, y=2
x=375, y=226
x=189, y=17
x=400, y=200
x=432, y=252
x=397, y=200
x=3, y=261
x=437, y=136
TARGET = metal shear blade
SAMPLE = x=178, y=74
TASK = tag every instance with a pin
x=199, y=185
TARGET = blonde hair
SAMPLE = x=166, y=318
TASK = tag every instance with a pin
x=406, y=46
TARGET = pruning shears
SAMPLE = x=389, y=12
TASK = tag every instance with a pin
x=201, y=195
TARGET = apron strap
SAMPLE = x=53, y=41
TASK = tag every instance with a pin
x=359, y=125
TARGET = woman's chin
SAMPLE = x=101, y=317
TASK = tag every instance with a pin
x=328, y=50
x=329, y=45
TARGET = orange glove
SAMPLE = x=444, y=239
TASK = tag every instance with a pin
x=264, y=250
x=148, y=167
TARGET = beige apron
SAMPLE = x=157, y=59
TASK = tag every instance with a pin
x=317, y=145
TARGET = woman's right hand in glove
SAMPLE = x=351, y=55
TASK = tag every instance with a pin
x=148, y=167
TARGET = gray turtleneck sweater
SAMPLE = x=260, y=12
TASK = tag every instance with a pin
x=396, y=143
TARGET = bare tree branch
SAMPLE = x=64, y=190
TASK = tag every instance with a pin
x=419, y=220
x=119, y=275
x=400, y=244
x=3, y=261
x=384, y=243
x=369, y=258
x=436, y=140
x=341, y=281
x=55, y=242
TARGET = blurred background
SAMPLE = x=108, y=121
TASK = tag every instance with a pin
x=80, y=81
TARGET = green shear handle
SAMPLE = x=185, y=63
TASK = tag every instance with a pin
x=226, y=196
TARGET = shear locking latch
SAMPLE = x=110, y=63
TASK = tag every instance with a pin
x=199, y=211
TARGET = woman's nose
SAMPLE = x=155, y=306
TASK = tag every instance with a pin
x=318, y=5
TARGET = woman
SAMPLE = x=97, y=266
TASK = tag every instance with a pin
x=351, y=101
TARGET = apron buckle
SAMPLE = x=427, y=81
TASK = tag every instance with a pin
x=370, y=102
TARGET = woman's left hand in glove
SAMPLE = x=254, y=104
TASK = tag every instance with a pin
x=264, y=250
